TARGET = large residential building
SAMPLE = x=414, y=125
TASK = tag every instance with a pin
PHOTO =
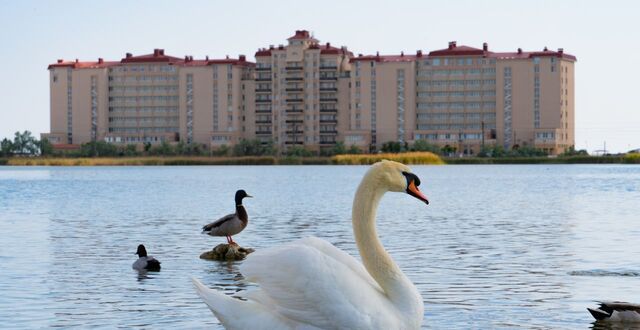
x=313, y=95
x=149, y=98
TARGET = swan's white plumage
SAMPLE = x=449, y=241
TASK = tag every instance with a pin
x=311, y=284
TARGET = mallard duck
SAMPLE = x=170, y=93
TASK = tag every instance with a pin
x=230, y=224
x=616, y=311
x=145, y=262
x=311, y=284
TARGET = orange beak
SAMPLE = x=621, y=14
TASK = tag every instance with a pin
x=415, y=192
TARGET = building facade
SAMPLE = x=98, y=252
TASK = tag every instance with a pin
x=148, y=99
x=314, y=95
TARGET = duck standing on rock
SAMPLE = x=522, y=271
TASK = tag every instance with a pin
x=230, y=224
x=145, y=262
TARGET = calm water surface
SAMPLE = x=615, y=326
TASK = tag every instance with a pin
x=498, y=247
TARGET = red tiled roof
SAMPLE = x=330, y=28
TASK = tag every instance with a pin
x=526, y=55
x=455, y=50
x=158, y=56
x=263, y=52
x=385, y=58
x=300, y=34
x=82, y=65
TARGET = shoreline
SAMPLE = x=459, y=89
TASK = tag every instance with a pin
x=421, y=158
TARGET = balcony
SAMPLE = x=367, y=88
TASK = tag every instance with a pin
x=328, y=89
x=263, y=110
x=294, y=121
x=263, y=68
x=328, y=67
x=329, y=121
x=293, y=89
x=263, y=132
x=293, y=142
x=328, y=78
x=263, y=100
x=294, y=68
x=328, y=99
x=328, y=110
x=263, y=90
x=263, y=121
x=295, y=100
x=294, y=110
x=294, y=132
x=327, y=142
x=263, y=79
x=329, y=132
x=293, y=78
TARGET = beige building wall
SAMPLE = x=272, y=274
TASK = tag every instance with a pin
x=298, y=98
x=315, y=95
x=535, y=102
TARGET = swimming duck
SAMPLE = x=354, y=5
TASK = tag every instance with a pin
x=311, y=284
x=145, y=262
x=616, y=311
x=230, y=224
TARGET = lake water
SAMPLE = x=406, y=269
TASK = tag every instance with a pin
x=498, y=247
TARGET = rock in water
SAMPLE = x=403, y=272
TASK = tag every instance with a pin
x=226, y=252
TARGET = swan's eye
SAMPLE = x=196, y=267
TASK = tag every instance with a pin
x=411, y=177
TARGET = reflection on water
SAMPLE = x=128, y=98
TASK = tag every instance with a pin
x=498, y=247
x=602, y=272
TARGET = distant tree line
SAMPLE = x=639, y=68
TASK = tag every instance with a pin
x=25, y=144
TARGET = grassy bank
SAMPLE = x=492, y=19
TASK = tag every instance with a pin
x=407, y=158
x=133, y=161
x=423, y=158
x=426, y=158
x=546, y=160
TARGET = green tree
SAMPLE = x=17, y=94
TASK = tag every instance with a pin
x=298, y=151
x=339, y=148
x=46, y=148
x=423, y=145
x=448, y=150
x=25, y=144
x=6, y=148
x=392, y=147
x=254, y=147
x=571, y=151
x=354, y=150
x=222, y=150
x=163, y=149
x=98, y=149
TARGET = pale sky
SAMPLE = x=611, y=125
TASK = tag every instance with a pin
x=602, y=34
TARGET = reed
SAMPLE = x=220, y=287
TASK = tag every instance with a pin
x=414, y=158
x=632, y=158
x=140, y=161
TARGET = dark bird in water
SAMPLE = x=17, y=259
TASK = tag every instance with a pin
x=145, y=262
x=230, y=224
x=616, y=311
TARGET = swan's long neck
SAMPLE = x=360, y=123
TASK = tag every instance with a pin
x=375, y=258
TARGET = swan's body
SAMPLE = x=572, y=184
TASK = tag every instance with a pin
x=144, y=261
x=230, y=224
x=311, y=284
x=616, y=311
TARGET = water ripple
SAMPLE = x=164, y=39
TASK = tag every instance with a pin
x=497, y=247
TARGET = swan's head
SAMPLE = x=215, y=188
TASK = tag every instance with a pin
x=142, y=252
x=398, y=177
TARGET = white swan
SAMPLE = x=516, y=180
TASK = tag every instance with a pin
x=310, y=284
